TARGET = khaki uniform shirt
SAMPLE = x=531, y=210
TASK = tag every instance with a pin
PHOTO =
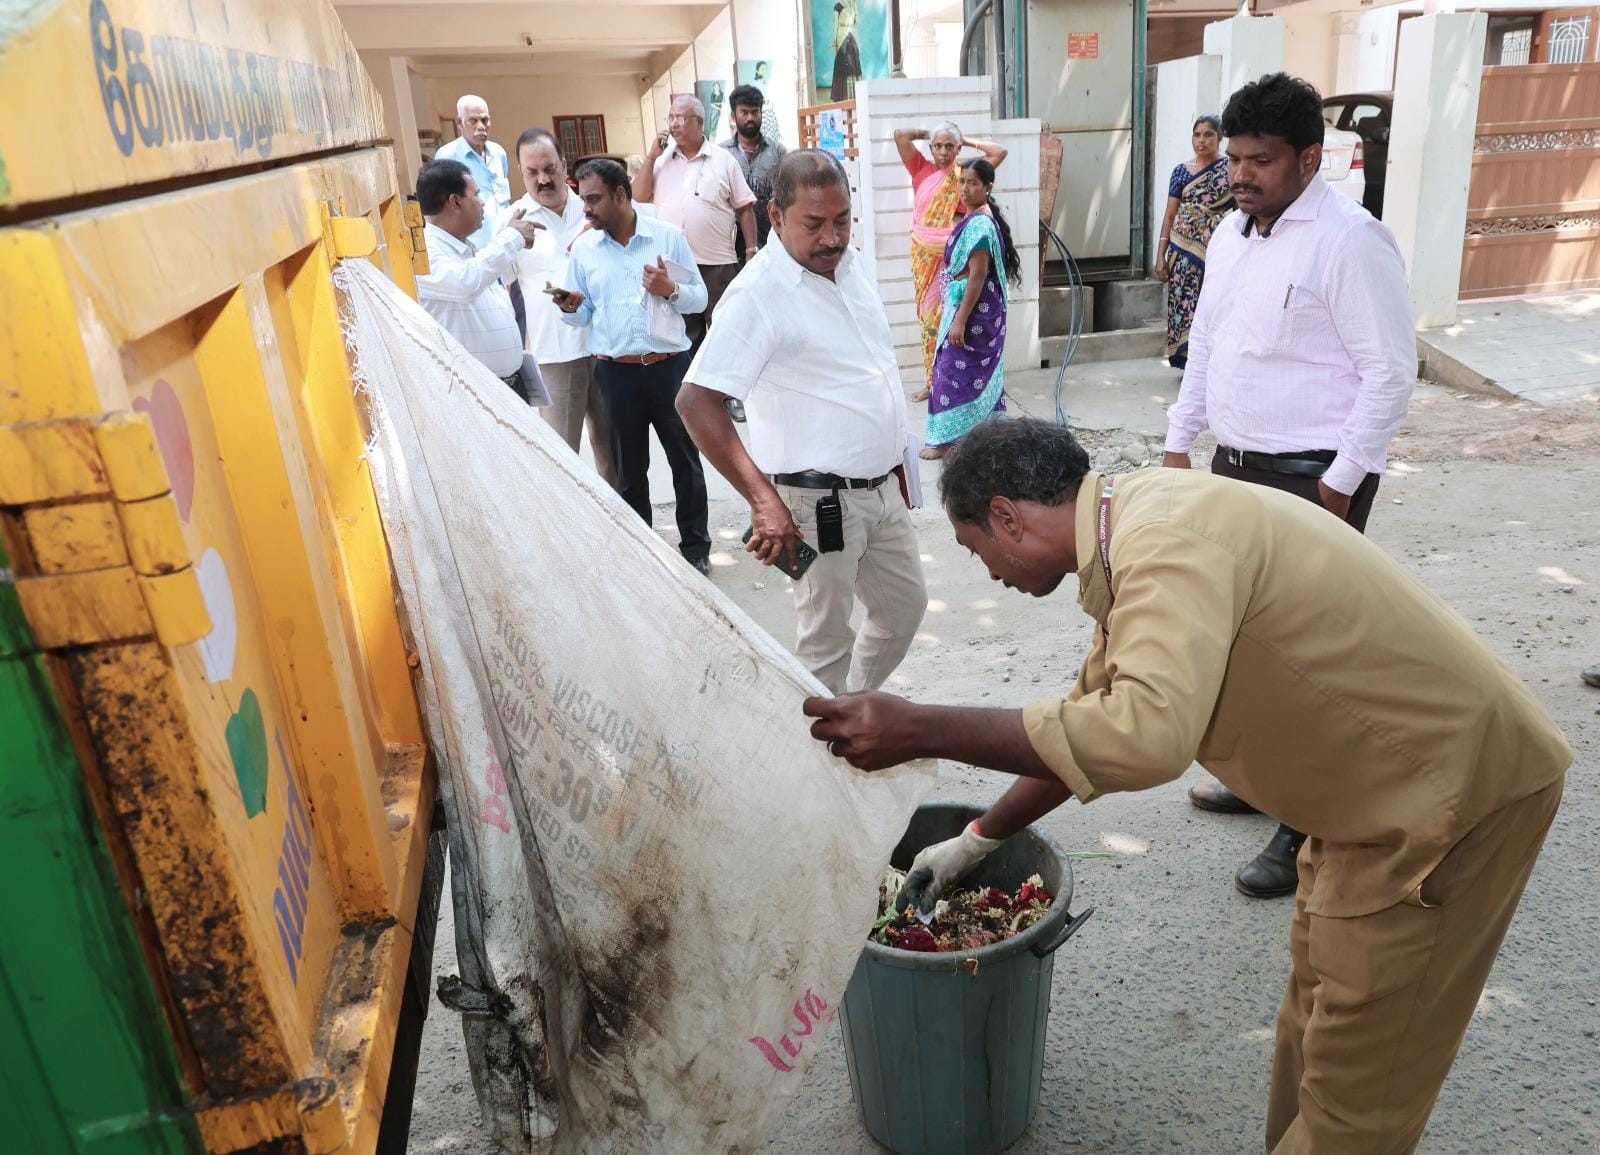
x=1301, y=665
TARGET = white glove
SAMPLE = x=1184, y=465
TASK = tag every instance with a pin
x=937, y=866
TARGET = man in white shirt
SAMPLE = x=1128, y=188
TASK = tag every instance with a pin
x=561, y=349
x=631, y=282
x=461, y=289
x=1302, y=353
x=803, y=339
x=701, y=189
x=487, y=163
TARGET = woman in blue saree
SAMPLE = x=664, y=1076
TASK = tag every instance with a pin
x=968, y=383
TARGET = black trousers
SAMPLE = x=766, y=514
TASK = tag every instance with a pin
x=636, y=399
x=1306, y=487
x=717, y=279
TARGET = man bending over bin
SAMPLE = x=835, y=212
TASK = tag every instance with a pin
x=1247, y=630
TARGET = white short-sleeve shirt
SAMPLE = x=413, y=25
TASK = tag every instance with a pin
x=813, y=361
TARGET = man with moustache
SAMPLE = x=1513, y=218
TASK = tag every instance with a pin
x=491, y=170
x=758, y=157
x=827, y=426
x=699, y=188
x=1302, y=353
x=562, y=350
x=615, y=268
x=1243, y=627
x=463, y=288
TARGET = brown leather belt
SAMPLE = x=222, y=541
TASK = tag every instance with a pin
x=646, y=359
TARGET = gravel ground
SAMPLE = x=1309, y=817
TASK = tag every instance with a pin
x=1160, y=1035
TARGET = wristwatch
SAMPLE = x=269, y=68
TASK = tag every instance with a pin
x=672, y=298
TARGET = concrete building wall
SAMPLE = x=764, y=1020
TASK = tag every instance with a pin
x=1311, y=48
x=519, y=102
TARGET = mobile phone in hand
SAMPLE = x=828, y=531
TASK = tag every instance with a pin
x=804, y=555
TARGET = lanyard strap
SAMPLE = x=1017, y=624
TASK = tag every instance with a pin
x=1103, y=525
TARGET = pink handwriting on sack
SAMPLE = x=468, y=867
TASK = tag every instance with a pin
x=494, y=811
x=809, y=1013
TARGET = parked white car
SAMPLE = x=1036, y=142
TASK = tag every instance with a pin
x=1344, y=162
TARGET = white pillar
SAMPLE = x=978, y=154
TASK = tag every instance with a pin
x=1376, y=35
x=770, y=30
x=407, y=152
x=391, y=76
x=1250, y=48
x=1185, y=90
x=1430, y=154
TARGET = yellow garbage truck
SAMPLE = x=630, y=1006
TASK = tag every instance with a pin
x=217, y=810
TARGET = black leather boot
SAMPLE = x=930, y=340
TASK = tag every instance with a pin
x=1214, y=796
x=1272, y=873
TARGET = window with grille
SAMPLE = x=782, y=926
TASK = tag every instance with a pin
x=1569, y=40
x=1510, y=40
x=581, y=135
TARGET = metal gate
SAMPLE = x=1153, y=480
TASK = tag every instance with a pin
x=1533, y=207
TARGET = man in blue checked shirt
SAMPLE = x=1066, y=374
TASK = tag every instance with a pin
x=617, y=267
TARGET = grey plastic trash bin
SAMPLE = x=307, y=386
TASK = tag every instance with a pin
x=946, y=1051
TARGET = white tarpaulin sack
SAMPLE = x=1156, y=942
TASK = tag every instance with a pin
x=661, y=880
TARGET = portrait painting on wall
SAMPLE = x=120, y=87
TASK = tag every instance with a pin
x=713, y=94
x=849, y=42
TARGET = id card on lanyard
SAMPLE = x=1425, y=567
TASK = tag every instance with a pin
x=1103, y=528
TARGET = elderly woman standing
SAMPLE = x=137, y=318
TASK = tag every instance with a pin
x=1198, y=197
x=936, y=191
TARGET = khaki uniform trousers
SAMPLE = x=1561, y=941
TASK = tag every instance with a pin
x=1377, y=1005
x=880, y=563
x=574, y=398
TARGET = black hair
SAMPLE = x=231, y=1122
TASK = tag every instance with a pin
x=437, y=182
x=1210, y=118
x=806, y=168
x=607, y=172
x=746, y=96
x=1012, y=262
x=1277, y=105
x=1020, y=458
x=533, y=135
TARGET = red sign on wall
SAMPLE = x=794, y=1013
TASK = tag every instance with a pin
x=1083, y=46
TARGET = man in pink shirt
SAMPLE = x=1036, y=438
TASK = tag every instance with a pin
x=701, y=189
x=1302, y=353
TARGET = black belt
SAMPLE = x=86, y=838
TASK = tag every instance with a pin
x=811, y=479
x=1307, y=463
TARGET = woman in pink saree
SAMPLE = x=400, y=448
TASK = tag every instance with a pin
x=936, y=206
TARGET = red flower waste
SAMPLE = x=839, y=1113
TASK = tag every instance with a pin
x=969, y=918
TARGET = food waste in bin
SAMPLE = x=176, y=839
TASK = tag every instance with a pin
x=969, y=918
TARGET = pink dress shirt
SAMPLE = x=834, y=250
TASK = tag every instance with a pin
x=702, y=197
x=1302, y=339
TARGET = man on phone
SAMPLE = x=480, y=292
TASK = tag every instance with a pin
x=827, y=428
x=699, y=188
x=640, y=349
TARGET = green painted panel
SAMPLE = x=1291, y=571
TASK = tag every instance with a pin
x=86, y=1064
